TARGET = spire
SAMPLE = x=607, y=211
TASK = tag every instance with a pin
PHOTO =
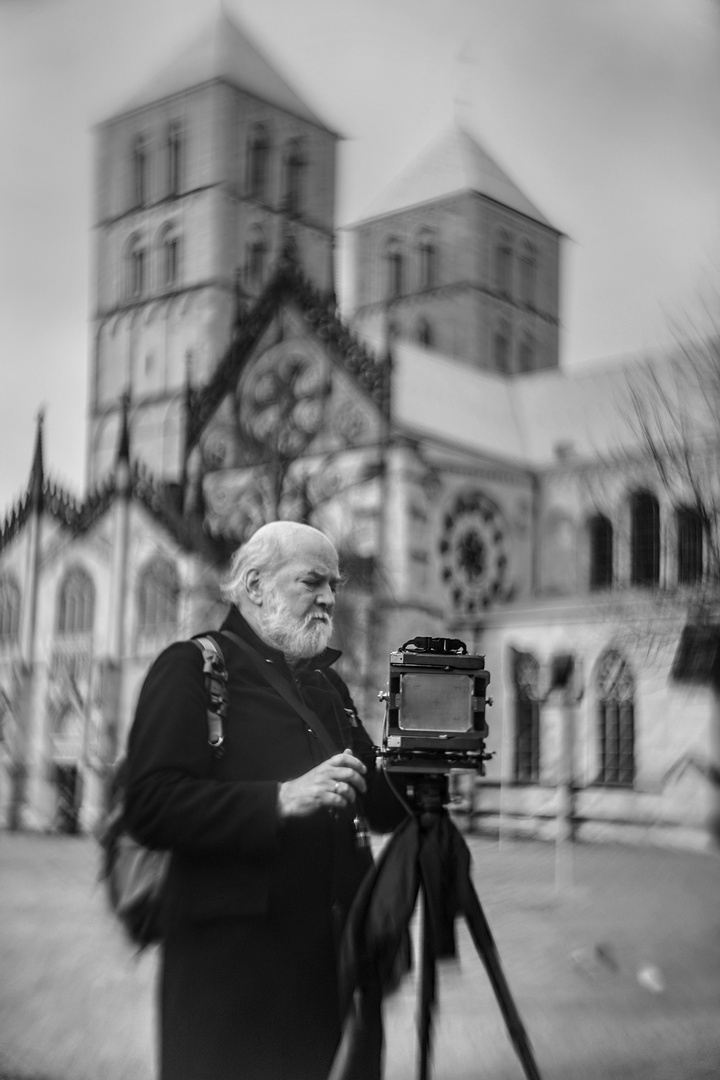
x=239, y=310
x=123, y=452
x=387, y=360
x=289, y=257
x=37, y=472
x=188, y=399
x=189, y=392
x=390, y=332
x=188, y=402
x=122, y=459
x=28, y=635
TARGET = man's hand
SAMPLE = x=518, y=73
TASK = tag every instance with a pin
x=333, y=784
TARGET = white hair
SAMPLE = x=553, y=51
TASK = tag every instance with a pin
x=264, y=552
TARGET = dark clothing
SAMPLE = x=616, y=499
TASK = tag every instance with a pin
x=254, y=904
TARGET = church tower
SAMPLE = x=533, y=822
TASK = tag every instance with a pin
x=454, y=256
x=201, y=181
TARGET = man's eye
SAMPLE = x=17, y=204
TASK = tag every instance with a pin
x=317, y=583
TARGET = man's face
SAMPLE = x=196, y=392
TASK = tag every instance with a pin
x=299, y=599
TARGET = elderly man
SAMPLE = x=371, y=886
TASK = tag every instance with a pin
x=265, y=854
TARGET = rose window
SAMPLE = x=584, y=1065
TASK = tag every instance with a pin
x=472, y=552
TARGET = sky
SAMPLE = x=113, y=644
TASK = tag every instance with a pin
x=605, y=112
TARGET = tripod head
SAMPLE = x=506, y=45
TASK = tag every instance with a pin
x=428, y=795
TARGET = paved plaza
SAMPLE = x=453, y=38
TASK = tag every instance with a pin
x=612, y=954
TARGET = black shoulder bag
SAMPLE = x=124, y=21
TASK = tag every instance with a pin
x=134, y=875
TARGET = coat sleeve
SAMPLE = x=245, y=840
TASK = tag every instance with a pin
x=381, y=805
x=172, y=801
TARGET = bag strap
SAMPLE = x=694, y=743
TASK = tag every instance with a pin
x=216, y=678
x=270, y=673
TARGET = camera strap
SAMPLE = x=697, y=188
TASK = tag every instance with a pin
x=270, y=673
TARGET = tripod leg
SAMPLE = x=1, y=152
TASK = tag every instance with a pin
x=428, y=982
x=487, y=951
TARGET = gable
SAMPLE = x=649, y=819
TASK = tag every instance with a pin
x=293, y=408
x=288, y=290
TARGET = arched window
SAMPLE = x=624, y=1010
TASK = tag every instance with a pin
x=258, y=163
x=615, y=688
x=600, y=535
x=9, y=610
x=501, y=347
x=645, y=539
x=76, y=603
x=256, y=258
x=503, y=266
x=689, y=524
x=528, y=273
x=427, y=260
x=135, y=268
x=394, y=262
x=174, y=159
x=526, y=681
x=294, y=178
x=424, y=333
x=139, y=172
x=526, y=353
x=169, y=257
x=158, y=596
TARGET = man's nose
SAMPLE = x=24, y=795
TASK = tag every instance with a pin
x=325, y=598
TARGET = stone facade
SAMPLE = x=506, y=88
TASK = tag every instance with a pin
x=473, y=487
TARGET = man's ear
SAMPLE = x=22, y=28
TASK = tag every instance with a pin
x=253, y=587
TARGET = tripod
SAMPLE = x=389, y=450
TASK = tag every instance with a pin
x=431, y=797
x=428, y=856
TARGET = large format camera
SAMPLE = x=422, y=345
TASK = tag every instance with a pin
x=435, y=708
x=434, y=723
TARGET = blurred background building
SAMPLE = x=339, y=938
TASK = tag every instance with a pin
x=473, y=488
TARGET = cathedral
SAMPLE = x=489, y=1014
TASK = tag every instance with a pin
x=473, y=487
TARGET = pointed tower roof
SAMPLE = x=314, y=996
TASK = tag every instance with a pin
x=123, y=450
x=37, y=471
x=454, y=163
x=122, y=459
x=223, y=51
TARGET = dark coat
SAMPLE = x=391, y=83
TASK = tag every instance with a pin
x=254, y=905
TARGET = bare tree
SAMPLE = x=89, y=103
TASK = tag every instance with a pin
x=674, y=410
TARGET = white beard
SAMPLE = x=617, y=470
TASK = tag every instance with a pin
x=296, y=639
